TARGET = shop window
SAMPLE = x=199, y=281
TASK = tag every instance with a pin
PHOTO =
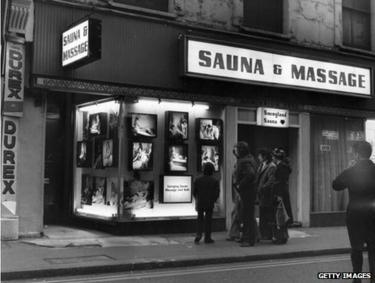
x=331, y=153
x=264, y=15
x=356, y=17
x=160, y=5
x=137, y=161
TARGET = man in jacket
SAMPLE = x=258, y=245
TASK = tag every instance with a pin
x=360, y=217
x=266, y=180
x=206, y=192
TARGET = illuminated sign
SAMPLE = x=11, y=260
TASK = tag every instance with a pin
x=177, y=189
x=272, y=117
x=225, y=62
x=81, y=43
x=14, y=79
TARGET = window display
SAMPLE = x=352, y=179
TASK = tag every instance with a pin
x=176, y=189
x=108, y=155
x=177, y=158
x=87, y=189
x=98, y=124
x=143, y=125
x=178, y=123
x=84, y=154
x=98, y=153
x=209, y=153
x=210, y=129
x=142, y=153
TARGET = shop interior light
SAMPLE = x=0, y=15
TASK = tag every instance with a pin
x=149, y=102
x=173, y=105
x=100, y=106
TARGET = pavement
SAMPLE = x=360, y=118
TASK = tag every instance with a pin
x=70, y=251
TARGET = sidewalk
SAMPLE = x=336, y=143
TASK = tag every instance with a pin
x=69, y=251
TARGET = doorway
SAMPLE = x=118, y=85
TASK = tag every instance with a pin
x=259, y=137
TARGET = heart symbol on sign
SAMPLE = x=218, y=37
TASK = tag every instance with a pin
x=282, y=122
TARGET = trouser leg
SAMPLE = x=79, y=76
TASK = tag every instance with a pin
x=208, y=224
x=234, y=231
x=252, y=225
x=200, y=223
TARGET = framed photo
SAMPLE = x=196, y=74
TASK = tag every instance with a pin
x=176, y=189
x=210, y=129
x=177, y=158
x=108, y=153
x=84, y=154
x=98, y=123
x=209, y=153
x=141, y=155
x=112, y=191
x=87, y=189
x=85, y=125
x=178, y=125
x=143, y=125
x=98, y=153
x=138, y=194
x=99, y=195
x=113, y=124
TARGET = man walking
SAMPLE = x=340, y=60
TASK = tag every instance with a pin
x=360, y=217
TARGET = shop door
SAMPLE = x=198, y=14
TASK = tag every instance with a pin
x=267, y=137
x=54, y=160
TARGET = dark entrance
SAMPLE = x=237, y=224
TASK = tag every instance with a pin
x=54, y=160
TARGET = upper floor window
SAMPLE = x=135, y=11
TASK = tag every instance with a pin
x=264, y=15
x=159, y=5
x=356, y=23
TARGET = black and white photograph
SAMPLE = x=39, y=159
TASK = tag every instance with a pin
x=210, y=129
x=142, y=139
x=209, y=154
x=108, y=153
x=178, y=125
x=84, y=154
x=98, y=123
x=143, y=125
x=177, y=158
x=99, y=194
x=142, y=156
x=87, y=189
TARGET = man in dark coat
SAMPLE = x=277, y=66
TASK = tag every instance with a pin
x=266, y=180
x=244, y=180
x=206, y=192
x=360, y=217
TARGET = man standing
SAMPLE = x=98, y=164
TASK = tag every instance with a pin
x=360, y=217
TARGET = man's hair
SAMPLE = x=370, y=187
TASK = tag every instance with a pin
x=265, y=153
x=242, y=149
x=363, y=148
x=208, y=169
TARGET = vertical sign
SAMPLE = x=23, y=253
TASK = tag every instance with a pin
x=14, y=79
x=9, y=163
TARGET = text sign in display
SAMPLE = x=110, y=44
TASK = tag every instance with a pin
x=81, y=43
x=177, y=189
x=272, y=117
x=247, y=65
x=9, y=163
x=14, y=79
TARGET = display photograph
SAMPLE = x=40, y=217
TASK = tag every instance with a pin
x=113, y=124
x=210, y=129
x=209, y=153
x=142, y=154
x=112, y=191
x=107, y=153
x=85, y=125
x=138, y=194
x=98, y=124
x=87, y=189
x=178, y=125
x=99, y=195
x=83, y=154
x=177, y=158
x=143, y=125
x=98, y=154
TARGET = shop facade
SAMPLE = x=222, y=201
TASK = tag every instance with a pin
x=128, y=126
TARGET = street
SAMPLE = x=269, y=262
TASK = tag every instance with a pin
x=289, y=270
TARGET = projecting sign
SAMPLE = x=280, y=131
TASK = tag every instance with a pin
x=9, y=164
x=177, y=189
x=81, y=43
x=225, y=62
x=272, y=117
x=14, y=79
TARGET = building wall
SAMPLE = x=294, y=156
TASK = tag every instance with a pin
x=31, y=167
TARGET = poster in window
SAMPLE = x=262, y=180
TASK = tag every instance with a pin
x=108, y=153
x=176, y=189
x=142, y=156
x=85, y=125
x=177, y=158
x=138, y=194
x=178, y=125
x=209, y=153
x=112, y=191
x=143, y=125
x=98, y=154
x=86, y=189
x=84, y=154
x=113, y=124
x=210, y=129
x=99, y=195
x=98, y=124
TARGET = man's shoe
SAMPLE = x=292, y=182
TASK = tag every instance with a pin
x=209, y=241
x=231, y=239
x=245, y=244
x=197, y=239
